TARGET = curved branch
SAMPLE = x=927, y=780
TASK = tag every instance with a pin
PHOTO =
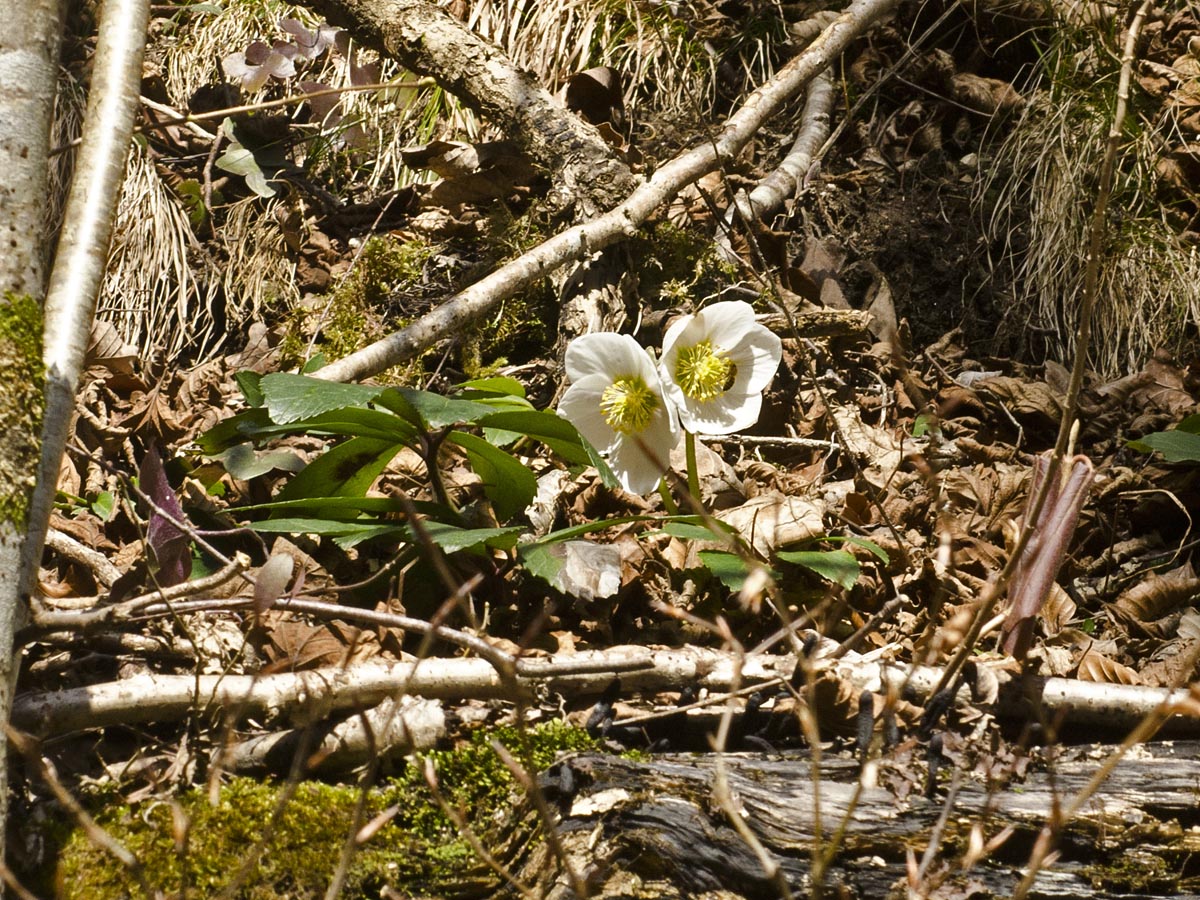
x=623, y=221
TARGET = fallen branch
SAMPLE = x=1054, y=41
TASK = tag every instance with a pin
x=311, y=695
x=393, y=728
x=430, y=41
x=581, y=241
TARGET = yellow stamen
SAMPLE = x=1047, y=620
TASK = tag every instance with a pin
x=703, y=372
x=628, y=404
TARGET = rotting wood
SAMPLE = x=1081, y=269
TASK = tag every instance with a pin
x=652, y=824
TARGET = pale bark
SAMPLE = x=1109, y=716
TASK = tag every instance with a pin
x=311, y=695
x=28, y=74
x=392, y=729
x=430, y=41
x=583, y=240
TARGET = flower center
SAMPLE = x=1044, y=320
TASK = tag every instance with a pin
x=627, y=404
x=703, y=371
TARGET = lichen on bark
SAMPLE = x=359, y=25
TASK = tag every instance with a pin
x=22, y=382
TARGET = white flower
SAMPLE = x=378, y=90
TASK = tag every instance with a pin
x=617, y=403
x=715, y=366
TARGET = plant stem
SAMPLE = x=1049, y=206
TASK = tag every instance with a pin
x=669, y=503
x=693, y=474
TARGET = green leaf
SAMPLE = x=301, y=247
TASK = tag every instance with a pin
x=237, y=160
x=730, y=568
x=249, y=383
x=347, y=470
x=244, y=462
x=552, y=430
x=351, y=422
x=291, y=398
x=344, y=534
x=353, y=507
x=1190, y=424
x=234, y=430
x=427, y=410
x=1175, y=446
x=508, y=484
x=686, y=531
x=452, y=539
x=838, y=566
x=104, y=505
x=497, y=384
x=540, y=561
x=869, y=546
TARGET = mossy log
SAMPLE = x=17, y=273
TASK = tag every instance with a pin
x=654, y=828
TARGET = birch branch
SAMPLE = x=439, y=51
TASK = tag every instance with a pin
x=312, y=695
x=430, y=41
x=622, y=222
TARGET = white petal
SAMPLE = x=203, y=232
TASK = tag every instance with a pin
x=727, y=323
x=639, y=460
x=757, y=359
x=580, y=405
x=613, y=355
x=723, y=415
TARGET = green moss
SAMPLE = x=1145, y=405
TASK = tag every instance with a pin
x=22, y=403
x=678, y=265
x=419, y=850
x=351, y=316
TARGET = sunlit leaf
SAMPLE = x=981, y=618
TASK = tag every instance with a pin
x=838, y=566
x=291, y=398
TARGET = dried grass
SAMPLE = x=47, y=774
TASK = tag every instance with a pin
x=165, y=291
x=1040, y=198
x=159, y=290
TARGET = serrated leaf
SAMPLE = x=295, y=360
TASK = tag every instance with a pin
x=729, y=568
x=104, y=505
x=838, y=566
x=452, y=539
x=508, y=484
x=235, y=430
x=686, y=531
x=344, y=534
x=291, y=398
x=497, y=384
x=250, y=384
x=552, y=430
x=540, y=561
x=857, y=541
x=1175, y=446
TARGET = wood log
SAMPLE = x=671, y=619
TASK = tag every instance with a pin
x=653, y=827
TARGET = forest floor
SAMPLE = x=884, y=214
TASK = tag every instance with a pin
x=882, y=486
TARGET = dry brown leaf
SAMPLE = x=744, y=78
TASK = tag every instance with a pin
x=771, y=521
x=983, y=497
x=1057, y=611
x=985, y=95
x=877, y=447
x=1098, y=668
x=1023, y=399
x=1169, y=667
x=1153, y=597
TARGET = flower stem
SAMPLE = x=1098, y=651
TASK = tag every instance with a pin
x=693, y=473
x=669, y=503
